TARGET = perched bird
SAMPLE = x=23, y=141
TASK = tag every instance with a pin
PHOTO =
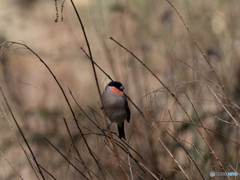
x=115, y=105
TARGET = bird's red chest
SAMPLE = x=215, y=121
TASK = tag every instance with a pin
x=113, y=89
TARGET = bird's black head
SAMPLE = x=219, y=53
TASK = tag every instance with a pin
x=117, y=85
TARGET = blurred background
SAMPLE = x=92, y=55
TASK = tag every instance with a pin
x=153, y=31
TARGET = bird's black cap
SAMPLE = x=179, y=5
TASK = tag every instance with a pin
x=116, y=84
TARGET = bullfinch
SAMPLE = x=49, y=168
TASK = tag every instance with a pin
x=115, y=105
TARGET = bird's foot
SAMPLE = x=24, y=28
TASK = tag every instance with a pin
x=109, y=125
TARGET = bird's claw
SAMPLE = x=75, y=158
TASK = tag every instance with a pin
x=109, y=125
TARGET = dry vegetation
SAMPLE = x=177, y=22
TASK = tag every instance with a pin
x=187, y=124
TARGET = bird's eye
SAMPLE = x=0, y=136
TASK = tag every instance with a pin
x=121, y=88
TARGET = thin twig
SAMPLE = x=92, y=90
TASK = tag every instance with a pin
x=237, y=160
x=66, y=99
x=181, y=143
x=176, y=99
x=47, y=172
x=195, y=70
x=149, y=171
x=203, y=128
x=209, y=136
x=218, y=98
x=226, y=121
x=96, y=64
x=20, y=130
x=75, y=148
x=205, y=57
x=65, y=158
x=89, y=169
x=56, y=20
x=186, y=153
x=97, y=84
x=15, y=136
x=169, y=92
x=62, y=10
x=82, y=134
x=5, y=158
x=130, y=167
x=112, y=80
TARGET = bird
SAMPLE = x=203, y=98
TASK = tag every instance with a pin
x=115, y=105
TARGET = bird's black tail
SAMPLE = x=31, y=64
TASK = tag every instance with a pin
x=121, y=131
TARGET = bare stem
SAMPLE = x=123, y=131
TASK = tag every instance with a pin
x=97, y=84
x=20, y=130
x=205, y=57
